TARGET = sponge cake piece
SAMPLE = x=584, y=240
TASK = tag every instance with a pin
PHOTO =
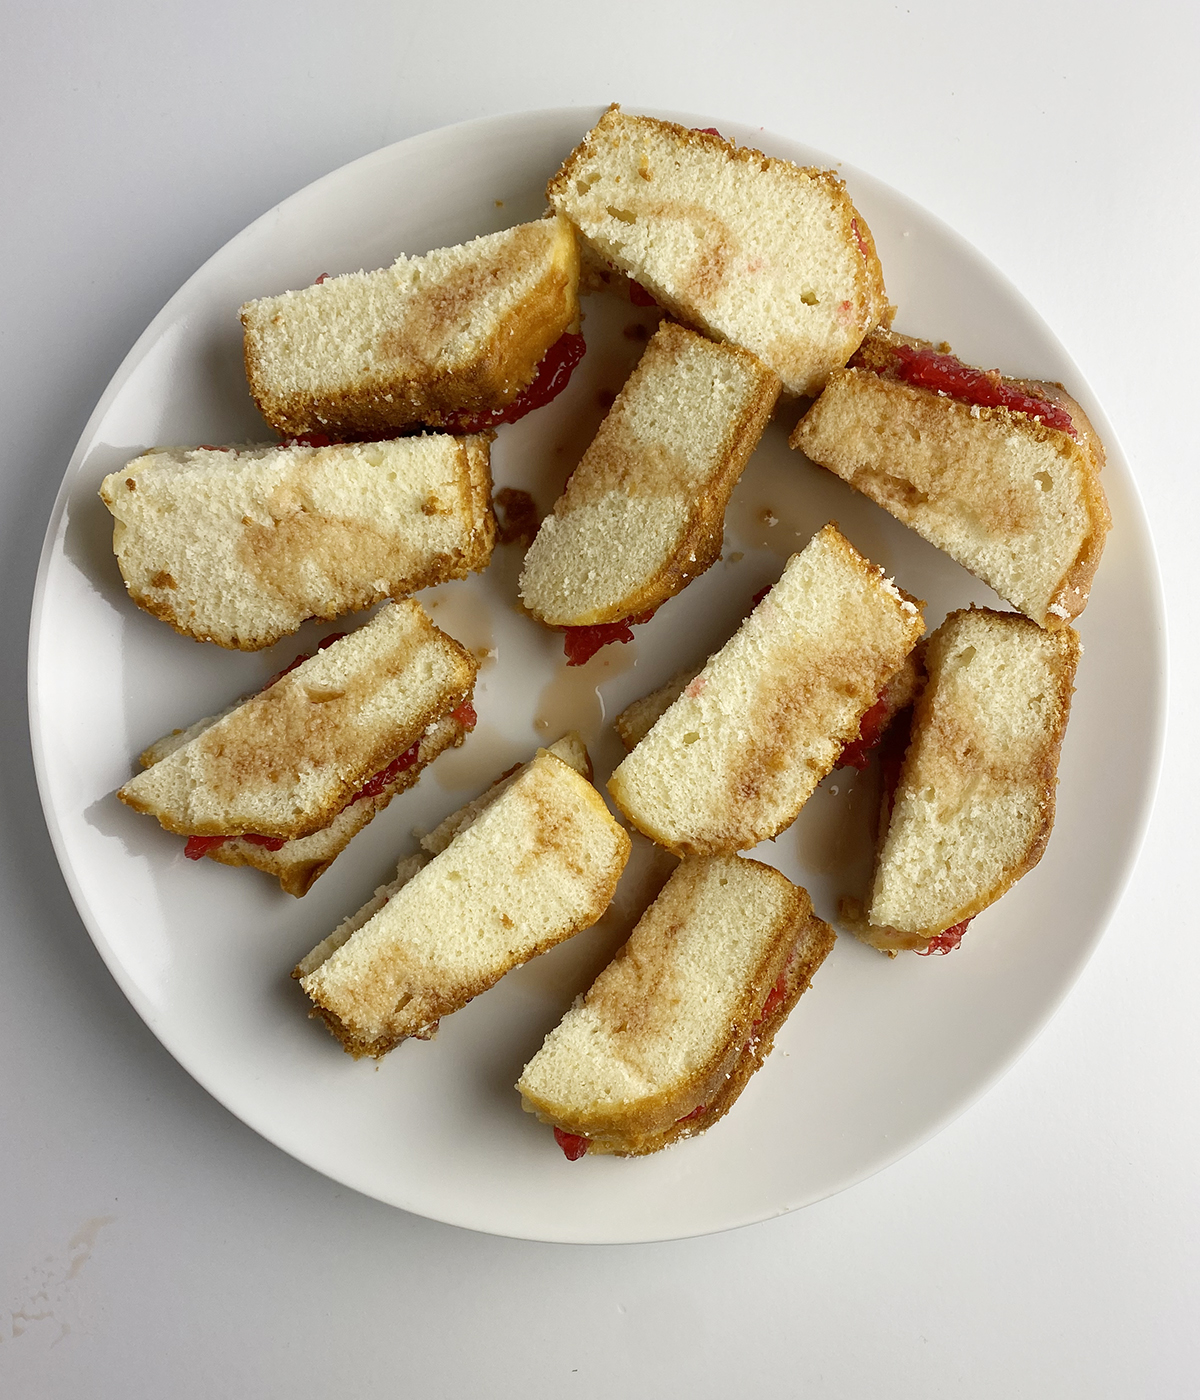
x=284, y=763
x=743, y=247
x=737, y=755
x=537, y=865
x=666, y=1039
x=570, y=749
x=239, y=546
x=1014, y=496
x=643, y=512
x=458, y=331
x=974, y=806
x=298, y=863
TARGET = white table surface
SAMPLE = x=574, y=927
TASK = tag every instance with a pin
x=1046, y=1244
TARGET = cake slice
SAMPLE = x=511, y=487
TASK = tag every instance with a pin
x=1001, y=474
x=343, y=725
x=734, y=758
x=974, y=804
x=743, y=247
x=537, y=864
x=239, y=545
x=643, y=513
x=570, y=749
x=669, y=1033
x=297, y=863
x=430, y=339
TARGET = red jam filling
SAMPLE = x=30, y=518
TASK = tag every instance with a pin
x=774, y=1000
x=857, y=752
x=580, y=644
x=374, y=786
x=324, y=277
x=707, y=130
x=572, y=1144
x=695, y=1113
x=553, y=375
x=760, y=595
x=466, y=716
x=272, y=843
x=946, y=374
x=199, y=846
x=946, y=941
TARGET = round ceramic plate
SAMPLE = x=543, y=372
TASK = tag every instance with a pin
x=877, y=1056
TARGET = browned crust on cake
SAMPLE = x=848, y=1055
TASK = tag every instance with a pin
x=284, y=728
x=853, y=917
x=700, y=545
x=504, y=364
x=1043, y=776
x=479, y=472
x=926, y=412
x=1073, y=592
x=871, y=285
x=871, y=306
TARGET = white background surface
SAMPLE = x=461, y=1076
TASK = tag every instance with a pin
x=1046, y=1244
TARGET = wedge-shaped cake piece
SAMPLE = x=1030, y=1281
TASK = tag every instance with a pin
x=737, y=755
x=746, y=248
x=1001, y=474
x=239, y=546
x=643, y=513
x=342, y=725
x=974, y=804
x=457, y=332
x=664, y=1042
x=297, y=863
x=570, y=749
x=536, y=865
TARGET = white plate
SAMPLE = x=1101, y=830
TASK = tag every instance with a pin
x=878, y=1056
